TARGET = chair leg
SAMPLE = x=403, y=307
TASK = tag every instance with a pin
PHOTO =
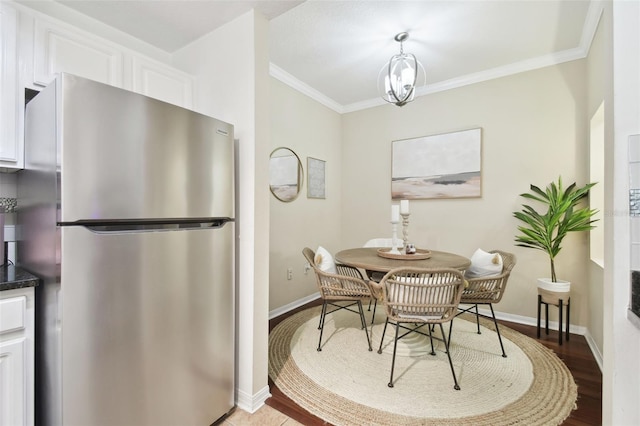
x=495, y=322
x=375, y=305
x=321, y=325
x=477, y=319
x=364, y=324
x=324, y=307
x=451, y=327
x=453, y=372
x=384, y=330
x=433, y=352
x=393, y=361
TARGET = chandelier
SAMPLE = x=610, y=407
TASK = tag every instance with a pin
x=397, y=79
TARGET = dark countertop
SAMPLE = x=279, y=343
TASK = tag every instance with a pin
x=13, y=277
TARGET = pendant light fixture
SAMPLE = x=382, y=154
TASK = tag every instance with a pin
x=397, y=79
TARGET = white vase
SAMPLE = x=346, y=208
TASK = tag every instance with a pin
x=552, y=292
x=560, y=286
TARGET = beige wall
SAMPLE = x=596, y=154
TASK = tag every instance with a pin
x=534, y=128
x=310, y=130
x=596, y=78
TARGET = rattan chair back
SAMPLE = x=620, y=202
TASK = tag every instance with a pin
x=489, y=289
x=422, y=295
x=346, y=285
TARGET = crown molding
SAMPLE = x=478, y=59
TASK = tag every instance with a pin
x=591, y=22
x=504, y=71
x=580, y=52
x=478, y=77
x=370, y=103
x=280, y=74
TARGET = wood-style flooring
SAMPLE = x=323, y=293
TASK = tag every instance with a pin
x=575, y=354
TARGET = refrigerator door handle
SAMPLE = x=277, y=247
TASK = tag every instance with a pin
x=148, y=225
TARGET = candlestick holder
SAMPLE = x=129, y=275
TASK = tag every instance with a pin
x=405, y=229
x=394, y=238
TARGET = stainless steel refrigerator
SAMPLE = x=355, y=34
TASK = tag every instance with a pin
x=126, y=212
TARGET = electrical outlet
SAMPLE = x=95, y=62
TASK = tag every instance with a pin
x=289, y=273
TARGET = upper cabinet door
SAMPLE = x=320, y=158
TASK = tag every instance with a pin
x=59, y=49
x=159, y=81
x=10, y=148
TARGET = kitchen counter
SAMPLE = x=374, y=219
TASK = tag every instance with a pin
x=14, y=277
x=17, y=344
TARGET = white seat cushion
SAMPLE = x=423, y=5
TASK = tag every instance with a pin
x=424, y=318
x=396, y=294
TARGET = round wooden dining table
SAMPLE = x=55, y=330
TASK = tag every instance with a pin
x=368, y=258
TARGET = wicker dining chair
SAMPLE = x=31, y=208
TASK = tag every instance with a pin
x=347, y=285
x=377, y=275
x=487, y=291
x=415, y=297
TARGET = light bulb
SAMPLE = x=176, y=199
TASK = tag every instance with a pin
x=408, y=74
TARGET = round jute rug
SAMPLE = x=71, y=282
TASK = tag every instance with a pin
x=345, y=384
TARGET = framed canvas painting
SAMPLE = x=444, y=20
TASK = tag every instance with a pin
x=437, y=166
x=316, y=180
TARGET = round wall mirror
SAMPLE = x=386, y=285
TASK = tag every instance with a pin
x=285, y=174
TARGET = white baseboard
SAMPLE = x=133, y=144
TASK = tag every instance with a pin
x=594, y=349
x=575, y=329
x=518, y=319
x=251, y=403
x=293, y=305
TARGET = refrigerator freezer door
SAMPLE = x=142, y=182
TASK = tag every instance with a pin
x=148, y=327
x=125, y=156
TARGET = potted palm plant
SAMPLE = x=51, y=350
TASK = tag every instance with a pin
x=545, y=231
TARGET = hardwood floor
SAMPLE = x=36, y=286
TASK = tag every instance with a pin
x=575, y=354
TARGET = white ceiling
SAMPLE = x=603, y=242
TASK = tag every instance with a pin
x=334, y=50
x=172, y=24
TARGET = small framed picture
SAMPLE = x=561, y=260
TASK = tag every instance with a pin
x=316, y=182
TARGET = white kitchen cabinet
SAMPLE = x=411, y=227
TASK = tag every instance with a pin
x=17, y=356
x=35, y=47
x=160, y=81
x=62, y=48
x=59, y=47
x=10, y=144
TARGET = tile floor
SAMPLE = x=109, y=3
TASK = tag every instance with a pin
x=265, y=416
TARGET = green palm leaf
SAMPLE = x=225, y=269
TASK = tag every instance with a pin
x=546, y=231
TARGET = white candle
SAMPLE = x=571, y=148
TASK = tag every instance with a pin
x=395, y=213
x=404, y=206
